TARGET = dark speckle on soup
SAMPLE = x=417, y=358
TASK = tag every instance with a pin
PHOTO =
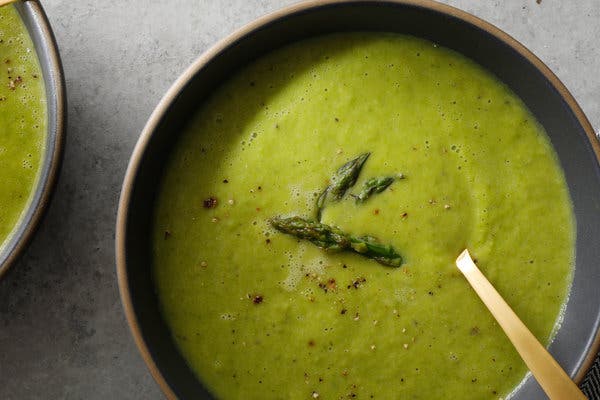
x=259, y=314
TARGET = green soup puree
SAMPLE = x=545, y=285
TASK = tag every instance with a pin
x=259, y=314
x=22, y=119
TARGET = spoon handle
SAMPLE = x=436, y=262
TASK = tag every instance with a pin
x=551, y=377
x=5, y=2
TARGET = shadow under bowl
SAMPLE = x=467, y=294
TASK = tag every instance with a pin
x=576, y=342
x=37, y=24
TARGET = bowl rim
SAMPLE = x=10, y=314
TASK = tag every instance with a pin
x=208, y=55
x=46, y=49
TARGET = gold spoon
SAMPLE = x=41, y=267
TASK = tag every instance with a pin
x=551, y=377
x=5, y=2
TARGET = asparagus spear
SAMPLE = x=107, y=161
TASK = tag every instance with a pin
x=324, y=236
x=332, y=238
x=343, y=179
x=321, y=203
x=382, y=253
x=374, y=185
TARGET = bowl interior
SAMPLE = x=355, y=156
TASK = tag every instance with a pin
x=37, y=25
x=576, y=342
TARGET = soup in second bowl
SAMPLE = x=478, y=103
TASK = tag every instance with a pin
x=23, y=119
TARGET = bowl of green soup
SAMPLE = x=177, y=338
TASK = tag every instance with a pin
x=32, y=123
x=292, y=211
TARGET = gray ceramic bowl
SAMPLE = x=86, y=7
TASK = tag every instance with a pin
x=576, y=342
x=37, y=24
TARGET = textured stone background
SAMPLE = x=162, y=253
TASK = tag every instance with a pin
x=62, y=330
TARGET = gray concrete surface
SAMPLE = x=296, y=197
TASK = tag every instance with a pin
x=62, y=330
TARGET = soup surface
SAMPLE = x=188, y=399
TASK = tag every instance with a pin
x=22, y=119
x=260, y=314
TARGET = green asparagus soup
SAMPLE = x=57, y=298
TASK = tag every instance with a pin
x=22, y=119
x=265, y=313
